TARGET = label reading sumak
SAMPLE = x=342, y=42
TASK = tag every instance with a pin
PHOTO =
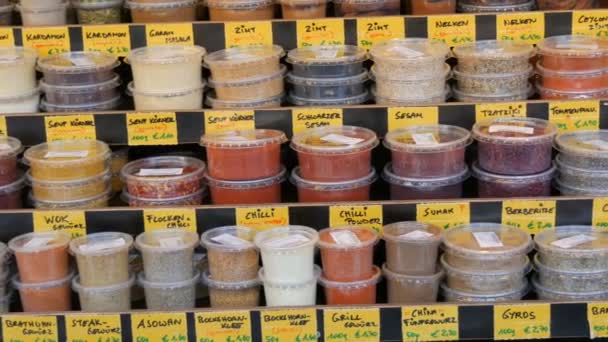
x=183, y=219
x=597, y=316
x=303, y=119
x=531, y=216
x=356, y=215
x=500, y=110
x=222, y=121
x=93, y=328
x=445, y=215
x=320, y=32
x=399, y=117
x=262, y=217
x=590, y=23
x=169, y=34
x=378, y=29
x=7, y=36
x=80, y=127
x=575, y=115
x=47, y=40
x=522, y=321
x=223, y=326
x=600, y=213
x=248, y=33
x=430, y=323
x=352, y=324
x=289, y=325
x=524, y=27
x=159, y=327
x=151, y=129
x=70, y=222
x=452, y=29
x=113, y=39
x=29, y=328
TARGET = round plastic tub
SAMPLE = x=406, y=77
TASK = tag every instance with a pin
x=11, y=195
x=109, y=298
x=241, y=294
x=327, y=61
x=575, y=296
x=288, y=254
x=168, y=68
x=170, y=294
x=167, y=255
x=582, y=81
x=354, y=292
x=552, y=5
x=476, y=98
x=18, y=65
x=87, y=107
x=193, y=199
x=514, y=146
x=98, y=12
x=163, y=12
x=41, y=257
x=333, y=154
x=34, y=3
x=78, y=68
x=302, y=293
x=407, y=188
x=98, y=201
x=494, y=57
x=385, y=101
x=573, y=53
x=81, y=94
x=10, y=148
x=163, y=177
x=102, y=258
x=69, y=190
x=428, y=151
x=490, y=247
x=43, y=15
x=451, y=295
x=366, y=8
x=357, y=190
x=347, y=101
x=415, y=58
x=412, y=247
x=492, y=84
x=328, y=88
x=551, y=94
x=244, y=154
x=23, y=103
x=272, y=102
x=240, y=10
x=426, y=7
x=392, y=86
x=525, y=7
x=570, y=281
x=581, y=178
x=261, y=87
x=231, y=254
x=303, y=9
x=51, y=296
x=573, y=248
x=265, y=190
x=584, y=149
x=347, y=253
x=492, y=185
x=242, y=63
x=403, y=288
x=179, y=100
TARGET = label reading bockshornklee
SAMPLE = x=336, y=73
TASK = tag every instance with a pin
x=341, y=139
x=68, y=154
x=96, y=246
x=416, y=235
x=161, y=172
x=345, y=238
x=511, y=129
x=288, y=241
x=572, y=241
x=425, y=139
x=230, y=240
x=488, y=240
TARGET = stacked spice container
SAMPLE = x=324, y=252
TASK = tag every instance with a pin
x=43, y=13
x=245, y=166
x=493, y=6
x=6, y=294
x=289, y=274
x=162, y=11
x=572, y=67
x=428, y=162
x=98, y=12
x=12, y=180
x=485, y=262
x=246, y=77
x=235, y=10
x=21, y=94
x=514, y=157
x=334, y=164
x=328, y=75
x=303, y=9
x=232, y=277
x=366, y=8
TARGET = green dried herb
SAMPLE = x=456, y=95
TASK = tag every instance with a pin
x=110, y=15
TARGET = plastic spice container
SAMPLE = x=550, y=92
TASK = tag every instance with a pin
x=43, y=15
x=347, y=253
x=291, y=294
x=482, y=281
x=51, y=296
x=349, y=293
x=328, y=88
x=544, y=293
x=572, y=81
x=570, y=281
x=163, y=177
x=584, y=149
x=476, y=98
x=525, y=7
x=69, y=190
x=493, y=84
x=412, y=247
x=242, y=294
x=87, y=107
x=544, y=5
x=261, y=87
x=395, y=87
x=287, y=254
x=412, y=288
x=451, y=295
x=425, y=7
x=265, y=190
x=490, y=247
x=551, y=94
x=357, y=190
x=244, y=154
x=573, y=53
x=231, y=253
x=102, y=258
x=407, y=188
x=303, y=9
x=494, y=57
x=179, y=99
x=27, y=102
x=415, y=58
x=514, y=146
x=98, y=201
x=10, y=148
x=110, y=298
x=167, y=255
x=195, y=198
x=163, y=12
x=33, y=3
x=581, y=178
x=385, y=101
x=240, y=10
x=41, y=257
x=11, y=195
x=170, y=294
x=96, y=12
x=366, y=8
x=492, y=185
x=327, y=61
x=78, y=68
x=332, y=154
x=167, y=68
x=242, y=63
x=271, y=102
x=428, y=151
x=17, y=64
x=347, y=101
x=81, y=94
x=573, y=248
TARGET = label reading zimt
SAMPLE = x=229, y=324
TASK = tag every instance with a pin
x=71, y=222
x=531, y=216
x=445, y=215
x=600, y=212
x=7, y=36
x=248, y=33
x=352, y=324
x=183, y=219
x=113, y=39
x=597, y=316
x=222, y=121
x=593, y=23
x=223, y=326
x=47, y=40
x=575, y=115
x=379, y=29
x=500, y=110
x=452, y=29
x=430, y=323
x=80, y=127
x=289, y=325
x=526, y=27
x=169, y=34
x=320, y=32
x=356, y=215
x=3, y=127
x=304, y=118
x=29, y=328
x=522, y=321
x=151, y=129
x=399, y=117
x=262, y=217
x=93, y=328
x=159, y=327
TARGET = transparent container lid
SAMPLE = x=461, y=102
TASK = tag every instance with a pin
x=16, y=281
x=239, y=5
x=416, y=279
x=541, y=71
x=572, y=94
x=81, y=89
x=584, y=143
x=409, y=49
x=347, y=237
x=423, y=183
x=511, y=296
x=243, y=139
x=346, y=286
x=213, y=102
x=131, y=90
x=573, y=46
x=293, y=286
x=514, y=131
x=563, y=295
x=189, y=199
x=427, y=139
x=96, y=4
x=248, y=81
x=487, y=240
x=207, y=280
x=494, y=49
x=166, y=240
x=477, y=98
x=346, y=101
x=327, y=55
x=576, y=171
x=502, y=77
x=379, y=77
x=166, y=54
x=248, y=184
x=489, y=8
x=328, y=82
x=99, y=290
x=87, y=107
x=334, y=140
x=38, y=242
x=141, y=281
x=592, y=275
x=412, y=232
x=159, y=6
x=20, y=98
x=286, y=238
x=483, y=175
x=163, y=169
x=575, y=241
x=66, y=153
x=78, y=62
x=10, y=56
x=242, y=55
x=519, y=272
x=104, y=243
x=300, y=182
x=9, y=147
x=17, y=185
x=67, y=184
x=229, y=238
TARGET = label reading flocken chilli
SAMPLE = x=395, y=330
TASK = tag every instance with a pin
x=425, y=139
x=161, y=172
x=288, y=241
x=341, y=139
x=512, y=129
x=171, y=242
x=230, y=240
x=572, y=241
x=488, y=240
x=416, y=235
x=601, y=144
x=70, y=154
x=345, y=238
x=37, y=242
x=96, y=246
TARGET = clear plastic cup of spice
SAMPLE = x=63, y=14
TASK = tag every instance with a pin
x=549, y=5
x=265, y=190
x=552, y=94
x=162, y=12
x=303, y=9
x=451, y=295
x=109, y=298
x=231, y=155
x=573, y=53
x=180, y=99
x=347, y=101
x=78, y=68
x=28, y=102
x=10, y=148
x=231, y=253
x=366, y=8
x=41, y=257
x=499, y=8
x=570, y=281
x=573, y=248
x=494, y=57
x=584, y=149
x=357, y=190
x=87, y=107
x=195, y=198
x=410, y=57
x=328, y=88
x=240, y=10
x=241, y=63
x=69, y=190
x=240, y=294
x=302, y=293
x=167, y=255
x=546, y=294
x=351, y=292
x=347, y=253
x=44, y=15
x=98, y=201
x=412, y=247
x=493, y=84
x=410, y=188
x=51, y=296
x=102, y=258
x=581, y=178
x=403, y=288
x=572, y=81
x=386, y=101
x=408, y=88
x=515, y=146
x=170, y=294
x=11, y=195
x=81, y=94
x=255, y=88
x=477, y=98
x=327, y=61
x=98, y=12
x=490, y=185
x=271, y=102
x=426, y=7
x=17, y=64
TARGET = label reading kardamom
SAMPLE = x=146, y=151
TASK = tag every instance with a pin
x=575, y=115
x=93, y=328
x=177, y=218
x=490, y=111
x=356, y=215
x=29, y=329
x=352, y=324
x=522, y=321
x=47, y=40
x=169, y=34
x=531, y=216
x=222, y=121
x=248, y=33
x=379, y=29
x=399, y=117
x=593, y=23
x=296, y=325
x=452, y=29
x=320, y=32
x=152, y=129
x=526, y=27
x=113, y=39
x=70, y=127
x=445, y=215
x=262, y=217
x=159, y=327
x=303, y=119
x=430, y=323
x=223, y=326
x=72, y=222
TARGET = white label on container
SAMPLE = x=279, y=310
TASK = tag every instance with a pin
x=171, y=242
x=239, y=56
x=161, y=172
x=70, y=154
x=345, y=238
x=288, y=241
x=572, y=241
x=230, y=240
x=5, y=147
x=327, y=53
x=82, y=61
x=601, y=144
x=38, y=242
x=425, y=139
x=234, y=138
x=512, y=129
x=580, y=46
x=488, y=240
x=416, y=235
x=407, y=52
x=96, y=246
x=341, y=139
x=8, y=57
x=492, y=50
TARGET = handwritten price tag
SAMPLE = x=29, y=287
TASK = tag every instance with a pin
x=320, y=32
x=445, y=215
x=114, y=39
x=3, y=127
x=29, y=328
x=430, y=323
x=303, y=118
x=400, y=117
x=71, y=222
x=490, y=111
x=597, y=316
x=522, y=321
x=526, y=27
x=376, y=30
x=531, y=216
x=590, y=23
x=262, y=217
x=248, y=33
x=226, y=326
x=452, y=29
x=93, y=328
x=159, y=327
x=222, y=121
x=600, y=212
x=356, y=215
x=7, y=36
x=289, y=325
x=47, y=40
x=151, y=129
x=70, y=127
x=352, y=324
x=575, y=115
x=156, y=219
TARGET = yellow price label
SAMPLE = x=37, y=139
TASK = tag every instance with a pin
x=597, y=316
x=70, y=127
x=590, y=23
x=7, y=36
x=47, y=40
x=29, y=328
x=113, y=39
x=531, y=216
x=223, y=326
x=177, y=218
x=399, y=117
x=356, y=215
x=159, y=327
x=452, y=29
x=3, y=127
x=262, y=217
x=379, y=29
x=430, y=323
x=526, y=27
x=169, y=34
x=522, y=321
x=93, y=328
x=72, y=222
x=289, y=325
x=248, y=33
x=575, y=115
x=490, y=111
x=352, y=324
x=222, y=121
x=151, y=129
x=600, y=212
x=444, y=215
x=320, y=32
x=306, y=118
